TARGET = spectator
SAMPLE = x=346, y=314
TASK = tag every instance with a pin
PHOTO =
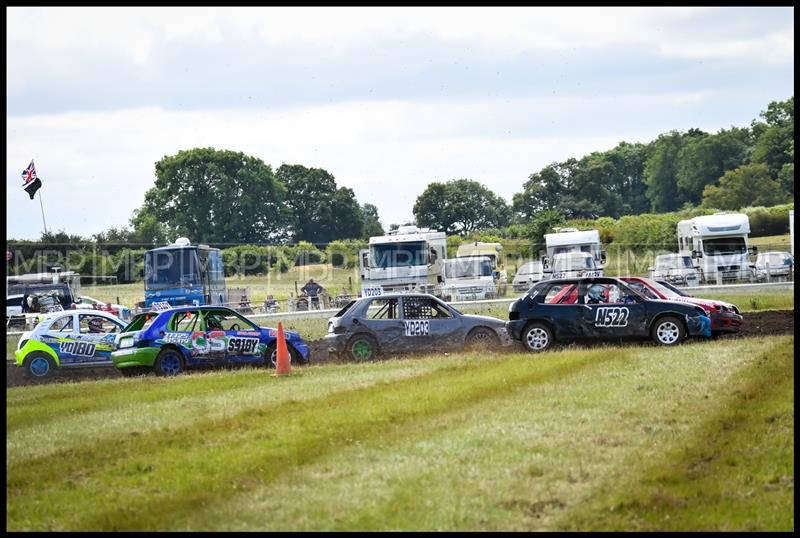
x=312, y=290
x=270, y=304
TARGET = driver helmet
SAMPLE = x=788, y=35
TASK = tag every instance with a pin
x=96, y=325
x=596, y=293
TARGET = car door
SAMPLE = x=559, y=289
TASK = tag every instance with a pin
x=618, y=313
x=382, y=320
x=61, y=333
x=426, y=325
x=241, y=336
x=187, y=330
x=96, y=338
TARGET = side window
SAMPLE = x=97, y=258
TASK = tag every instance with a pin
x=184, y=322
x=561, y=294
x=96, y=324
x=63, y=324
x=222, y=320
x=387, y=309
x=418, y=308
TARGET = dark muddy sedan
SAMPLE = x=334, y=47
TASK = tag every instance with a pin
x=398, y=323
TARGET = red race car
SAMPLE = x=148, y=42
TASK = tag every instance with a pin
x=725, y=317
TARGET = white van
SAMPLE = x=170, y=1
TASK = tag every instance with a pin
x=527, y=275
x=468, y=278
x=676, y=269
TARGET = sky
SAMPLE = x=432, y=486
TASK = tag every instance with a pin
x=386, y=99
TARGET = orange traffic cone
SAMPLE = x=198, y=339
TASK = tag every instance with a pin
x=283, y=365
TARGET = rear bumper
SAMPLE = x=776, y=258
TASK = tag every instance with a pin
x=130, y=357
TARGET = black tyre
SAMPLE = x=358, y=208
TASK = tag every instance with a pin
x=537, y=337
x=272, y=355
x=168, y=363
x=668, y=331
x=362, y=348
x=482, y=338
x=39, y=365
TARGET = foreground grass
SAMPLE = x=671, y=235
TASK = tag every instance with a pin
x=461, y=442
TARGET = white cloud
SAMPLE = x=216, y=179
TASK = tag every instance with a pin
x=97, y=166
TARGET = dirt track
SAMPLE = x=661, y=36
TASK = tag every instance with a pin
x=764, y=323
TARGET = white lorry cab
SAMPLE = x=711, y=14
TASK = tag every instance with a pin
x=675, y=268
x=407, y=259
x=574, y=265
x=718, y=245
x=566, y=240
x=492, y=251
x=469, y=278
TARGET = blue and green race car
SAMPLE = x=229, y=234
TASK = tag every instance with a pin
x=172, y=340
x=68, y=339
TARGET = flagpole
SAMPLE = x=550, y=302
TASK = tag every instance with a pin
x=40, y=205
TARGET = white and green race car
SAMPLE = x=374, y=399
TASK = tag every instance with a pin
x=68, y=339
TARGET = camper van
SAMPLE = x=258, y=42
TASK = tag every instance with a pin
x=406, y=259
x=718, y=245
x=493, y=252
x=566, y=240
x=469, y=278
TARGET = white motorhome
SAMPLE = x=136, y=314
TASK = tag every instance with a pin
x=566, y=240
x=406, y=259
x=468, y=278
x=493, y=252
x=718, y=244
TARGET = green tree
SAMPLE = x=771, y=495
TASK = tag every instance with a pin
x=372, y=224
x=774, y=144
x=460, y=206
x=748, y=185
x=215, y=196
x=543, y=223
x=660, y=171
x=544, y=190
x=322, y=212
x=704, y=159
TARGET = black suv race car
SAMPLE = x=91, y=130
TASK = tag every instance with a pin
x=599, y=308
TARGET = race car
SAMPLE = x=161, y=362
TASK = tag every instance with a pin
x=171, y=340
x=602, y=308
x=68, y=339
x=403, y=322
x=725, y=317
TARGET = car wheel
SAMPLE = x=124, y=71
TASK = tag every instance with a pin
x=168, y=363
x=272, y=355
x=482, y=338
x=668, y=331
x=362, y=347
x=39, y=365
x=537, y=337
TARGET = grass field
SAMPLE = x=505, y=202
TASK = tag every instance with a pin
x=696, y=437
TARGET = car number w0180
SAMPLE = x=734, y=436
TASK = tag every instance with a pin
x=418, y=327
x=612, y=316
x=242, y=346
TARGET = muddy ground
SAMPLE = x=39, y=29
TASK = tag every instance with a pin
x=755, y=324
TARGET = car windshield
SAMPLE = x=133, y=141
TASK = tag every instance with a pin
x=571, y=262
x=399, y=254
x=725, y=245
x=468, y=268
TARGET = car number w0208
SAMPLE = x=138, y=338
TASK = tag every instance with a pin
x=418, y=327
x=243, y=346
x=612, y=316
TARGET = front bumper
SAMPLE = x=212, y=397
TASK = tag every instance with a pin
x=699, y=326
x=335, y=343
x=514, y=328
x=728, y=322
x=134, y=356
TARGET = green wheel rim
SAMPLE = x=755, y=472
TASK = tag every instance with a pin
x=362, y=349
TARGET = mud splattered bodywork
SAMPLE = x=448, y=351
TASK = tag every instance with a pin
x=399, y=323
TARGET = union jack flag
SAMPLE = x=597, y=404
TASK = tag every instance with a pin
x=29, y=174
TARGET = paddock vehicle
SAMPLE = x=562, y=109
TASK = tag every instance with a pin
x=394, y=323
x=725, y=317
x=772, y=265
x=171, y=340
x=89, y=303
x=599, y=308
x=527, y=275
x=68, y=339
x=676, y=268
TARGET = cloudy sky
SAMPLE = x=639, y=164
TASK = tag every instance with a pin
x=386, y=99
